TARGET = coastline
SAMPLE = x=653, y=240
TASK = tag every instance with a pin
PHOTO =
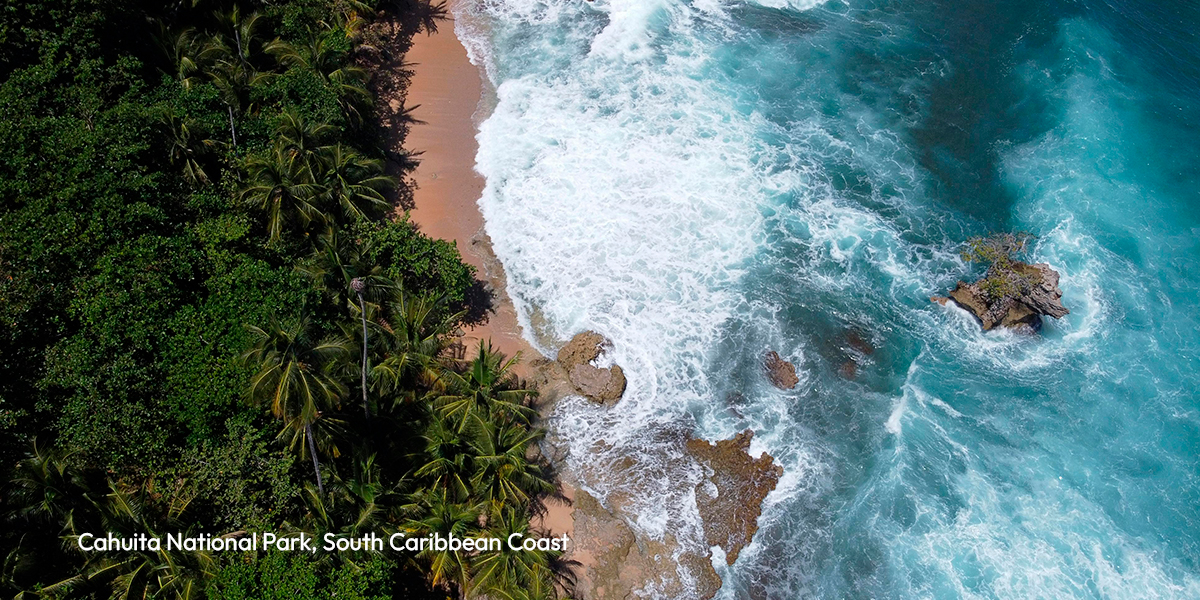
x=446, y=90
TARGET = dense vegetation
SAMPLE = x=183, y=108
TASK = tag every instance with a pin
x=1005, y=276
x=211, y=321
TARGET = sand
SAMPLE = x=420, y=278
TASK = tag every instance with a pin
x=445, y=90
x=448, y=88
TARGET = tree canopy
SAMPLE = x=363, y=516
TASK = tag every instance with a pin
x=213, y=318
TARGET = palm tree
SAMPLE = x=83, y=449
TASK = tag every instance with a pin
x=448, y=464
x=138, y=574
x=188, y=143
x=183, y=49
x=504, y=476
x=229, y=56
x=435, y=512
x=351, y=507
x=353, y=184
x=282, y=190
x=344, y=266
x=302, y=138
x=417, y=335
x=45, y=488
x=487, y=388
x=319, y=55
x=294, y=380
x=518, y=574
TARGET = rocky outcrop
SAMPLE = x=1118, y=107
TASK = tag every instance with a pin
x=574, y=365
x=741, y=482
x=781, y=372
x=1021, y=304
x=601, y=385
x=582, y=349
x=619, y=563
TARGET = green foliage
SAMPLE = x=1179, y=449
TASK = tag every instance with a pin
x=198, y=273
x=418, y=262
x=1005, y=277
x=996, y=248
x=242, y=481
x=292, y=576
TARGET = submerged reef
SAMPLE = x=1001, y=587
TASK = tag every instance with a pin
x=620, y=562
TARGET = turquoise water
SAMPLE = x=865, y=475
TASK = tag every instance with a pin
x=702, y=181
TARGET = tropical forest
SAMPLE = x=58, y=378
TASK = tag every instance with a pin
x=216, y=317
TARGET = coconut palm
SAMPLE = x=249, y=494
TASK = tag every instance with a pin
x=318, y=54
x=302, y=138
x=518, y=574
x=282, y=190
x=351, y=507
x=353, y=184
x=417, y=335
x=187, y=144
x=229, y=57
x=486, y=388
x=183, y=48
x=344, y=267
x=448, y=464
x=137, y=574
x=46, y=488
x=504, y=475
x=435, y=512
x=294, y=380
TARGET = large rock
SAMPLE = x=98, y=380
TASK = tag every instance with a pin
x=1019, y=311
x=605, y=385
x=582, y=349
x=741, y=482
x=601, y=385
x=781, y=372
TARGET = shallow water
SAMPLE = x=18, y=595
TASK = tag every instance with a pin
x=702, y=181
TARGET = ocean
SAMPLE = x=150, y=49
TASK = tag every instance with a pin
x=703, y=181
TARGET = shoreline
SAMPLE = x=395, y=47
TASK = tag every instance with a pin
x=446, y=91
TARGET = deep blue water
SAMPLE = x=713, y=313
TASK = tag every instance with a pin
x=701, y=181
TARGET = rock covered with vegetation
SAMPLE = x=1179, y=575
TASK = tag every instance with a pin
x=1012, y=293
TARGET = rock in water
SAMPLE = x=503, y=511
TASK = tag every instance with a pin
x=781, y=372
x=601, y=385
x=582, y=349
x=1045, y=298
x=1022, y=309
x=731, y=515
x=618, y=560
x=604, y=385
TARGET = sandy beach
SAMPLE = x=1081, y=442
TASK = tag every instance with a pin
x=446, y=90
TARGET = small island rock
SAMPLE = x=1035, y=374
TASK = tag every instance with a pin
x=781, y=372
x=1018, y=310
